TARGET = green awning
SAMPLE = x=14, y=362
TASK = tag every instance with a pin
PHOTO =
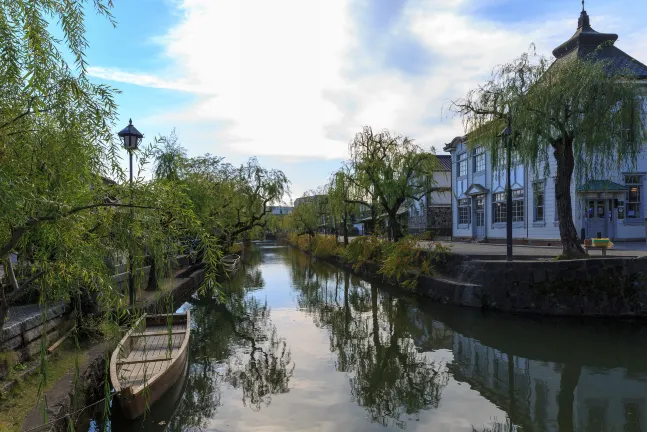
x=602, y=186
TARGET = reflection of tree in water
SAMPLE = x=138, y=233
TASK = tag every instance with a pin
x=372, y=338
x=233, y=341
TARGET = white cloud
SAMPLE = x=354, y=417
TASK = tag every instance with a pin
x=290, y=78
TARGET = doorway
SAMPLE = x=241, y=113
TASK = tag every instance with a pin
x=599, y=218
x=480, y=217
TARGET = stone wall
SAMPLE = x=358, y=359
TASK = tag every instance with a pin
x=591, y=287
x=27, y=325
x=610, y=287
x=436, y=219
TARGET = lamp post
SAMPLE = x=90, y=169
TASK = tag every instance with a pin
x=506, y=135
x=131, y=138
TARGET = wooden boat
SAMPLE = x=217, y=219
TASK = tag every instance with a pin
x=231, y=263
x=149, y=360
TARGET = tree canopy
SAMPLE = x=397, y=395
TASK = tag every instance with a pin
x=582, y=116
x=388, y=170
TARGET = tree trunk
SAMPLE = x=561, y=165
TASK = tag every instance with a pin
x=345, y=227
x=394, y=227
x=567, y=384
x=571, y=246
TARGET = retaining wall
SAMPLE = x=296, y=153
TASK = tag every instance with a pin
x=605, y=287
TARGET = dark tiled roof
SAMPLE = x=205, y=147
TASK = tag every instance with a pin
x=587, y=41
x=602, y=186
x=452, y=145
x=445, y=162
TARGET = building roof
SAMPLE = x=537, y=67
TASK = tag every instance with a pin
x=445, y=162
x=602, y=186
x=600, y=46
x=452, y=145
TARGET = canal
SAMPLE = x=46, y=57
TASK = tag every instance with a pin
x=298, y=344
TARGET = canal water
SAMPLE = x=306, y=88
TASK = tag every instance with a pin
x=296, y=344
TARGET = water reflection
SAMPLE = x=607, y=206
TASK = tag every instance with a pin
x=371, y=335
x=233, y=343
x=395, y=362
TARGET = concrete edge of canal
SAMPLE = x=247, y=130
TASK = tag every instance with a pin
x=597, y=287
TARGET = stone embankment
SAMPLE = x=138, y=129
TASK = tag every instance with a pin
x=603, y=287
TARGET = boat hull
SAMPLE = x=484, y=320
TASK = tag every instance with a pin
x=135, y=405
x=144, y=350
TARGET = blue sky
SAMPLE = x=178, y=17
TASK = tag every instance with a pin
x=291, y=81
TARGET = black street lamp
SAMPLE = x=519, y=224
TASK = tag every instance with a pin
x=506, y=135
x=131, y=138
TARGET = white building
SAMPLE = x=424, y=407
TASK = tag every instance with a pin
x=614, y=207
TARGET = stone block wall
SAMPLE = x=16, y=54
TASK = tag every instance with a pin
x=591, y=287
x=23, y=333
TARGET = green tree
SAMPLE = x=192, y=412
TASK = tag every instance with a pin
x=389, y=170
x=231, y=201
x=169, y=158
x=305, y=216
x=63, y=194
x=582, y=113
x=340, y=198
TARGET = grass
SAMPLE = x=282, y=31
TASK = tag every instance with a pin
x=15, y=406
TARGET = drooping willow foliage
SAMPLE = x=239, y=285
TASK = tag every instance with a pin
x=577, y=119
x=68, y=215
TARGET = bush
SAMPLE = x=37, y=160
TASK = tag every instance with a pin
x=325, y=246
x=426, y=236
x=362, y=250
x=235, y=248
x=403, y=261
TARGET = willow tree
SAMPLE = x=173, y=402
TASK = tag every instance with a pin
x=305, y=216
x=343, y=206
x=580, y=114
x=63, y=196
x=390, y=170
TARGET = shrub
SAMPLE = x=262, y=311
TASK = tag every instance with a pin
x=235, y=248
x=426, y=236
x=325, y=246
x=362, y=250
x=403, y=261
x=293, y=238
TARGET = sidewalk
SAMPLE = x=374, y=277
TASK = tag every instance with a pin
x=625, y=249
x=629, y=249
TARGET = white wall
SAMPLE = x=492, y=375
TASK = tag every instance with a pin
x=548, y=229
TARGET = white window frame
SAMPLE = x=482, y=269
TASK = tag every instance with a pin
x=518, y=205
x=478, y=155
x=539, y=188
x=464, y=208
x=461, y=162
x=633, y=181
x=499, y=208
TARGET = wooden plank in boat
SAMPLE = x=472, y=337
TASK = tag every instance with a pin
x=145, y=360
x=160, y=333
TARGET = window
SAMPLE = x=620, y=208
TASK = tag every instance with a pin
x=462, y=164
x=479, y=159
x=538, y=189
x=463, y=211
x=517, y=205
x=499, y=207
x=633, y=196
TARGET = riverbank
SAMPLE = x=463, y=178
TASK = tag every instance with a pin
x=63, y=394
x=595, y=287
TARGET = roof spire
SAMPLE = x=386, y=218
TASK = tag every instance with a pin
x=583, y=6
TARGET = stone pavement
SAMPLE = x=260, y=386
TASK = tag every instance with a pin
x=629, y=249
